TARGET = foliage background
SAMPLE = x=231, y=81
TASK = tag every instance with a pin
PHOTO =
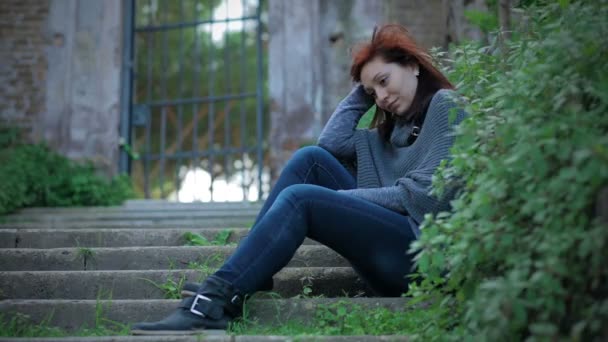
x=522, y=255
x=34, y=176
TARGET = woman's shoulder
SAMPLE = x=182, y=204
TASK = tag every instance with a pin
x=445, y=97
x=444, y=102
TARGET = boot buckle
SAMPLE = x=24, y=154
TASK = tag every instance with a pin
x=195, y=304
x=236, y=300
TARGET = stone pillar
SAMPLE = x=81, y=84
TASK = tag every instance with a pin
x=294, y=64
x=345, y=23
x=309, y=59
x=83, y=81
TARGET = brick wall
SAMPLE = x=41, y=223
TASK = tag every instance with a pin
x=23, y=62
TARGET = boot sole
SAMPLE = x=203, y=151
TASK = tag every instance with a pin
x=179, y=332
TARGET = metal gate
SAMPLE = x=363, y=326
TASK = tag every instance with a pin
x=193, y=85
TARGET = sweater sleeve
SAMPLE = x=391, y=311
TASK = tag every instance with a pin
x=337, y=135
x=388, y=197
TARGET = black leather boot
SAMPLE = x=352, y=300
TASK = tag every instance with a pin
x=189, y=289
x=216, y=304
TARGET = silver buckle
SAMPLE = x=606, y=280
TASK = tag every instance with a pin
x=193, y=310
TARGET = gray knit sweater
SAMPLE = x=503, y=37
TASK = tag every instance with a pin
x=394, y=175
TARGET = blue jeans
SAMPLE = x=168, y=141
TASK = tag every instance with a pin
x=304, y=203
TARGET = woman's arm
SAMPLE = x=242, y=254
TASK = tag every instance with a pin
x=337, y=136
x=410, y=195
x=388, y=197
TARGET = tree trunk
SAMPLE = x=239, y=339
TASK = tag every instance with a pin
x=504, y=18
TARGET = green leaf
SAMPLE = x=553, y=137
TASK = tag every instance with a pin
x=193, y=239
x=222, y=237
x=543, y=329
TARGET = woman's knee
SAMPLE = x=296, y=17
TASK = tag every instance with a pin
x=299, y=194
x=308, y=153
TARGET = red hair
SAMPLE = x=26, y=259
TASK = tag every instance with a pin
x=394, y=44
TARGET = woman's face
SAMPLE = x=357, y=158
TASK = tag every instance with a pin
x=392, y=85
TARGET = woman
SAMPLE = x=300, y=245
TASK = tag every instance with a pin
x=361, y=192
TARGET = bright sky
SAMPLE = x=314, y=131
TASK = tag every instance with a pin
x=195, y=184
x=228, y=9
x=195, y=187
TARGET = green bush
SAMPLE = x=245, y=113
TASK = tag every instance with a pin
x=522, y=255
x=33, y=175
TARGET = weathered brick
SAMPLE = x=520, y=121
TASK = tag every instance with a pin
x=22, y=25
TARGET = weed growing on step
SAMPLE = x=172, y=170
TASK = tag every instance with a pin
x=342, y=318
x=306, y=291
x=171, y=288
x=104, y=326
x=193, y=239
x=203, y=269
x=86, y=254
x=20, y=325
x=307, y=284
x=206, y=267
x=244, y=324
x=220, y=239
x=206, y=262
x=171, y=263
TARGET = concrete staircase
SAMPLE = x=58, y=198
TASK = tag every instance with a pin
x=68, y=266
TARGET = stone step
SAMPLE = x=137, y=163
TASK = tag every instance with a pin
x=144, y=284
x=151, y=203
x=219, y=222
x=76, y=314
x=212, y=337
x=72, y=267
x=54, y=217
x=138, y=258
x=121, y=237
x=146, y=206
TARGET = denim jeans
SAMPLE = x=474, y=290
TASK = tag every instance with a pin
x=304, y=203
